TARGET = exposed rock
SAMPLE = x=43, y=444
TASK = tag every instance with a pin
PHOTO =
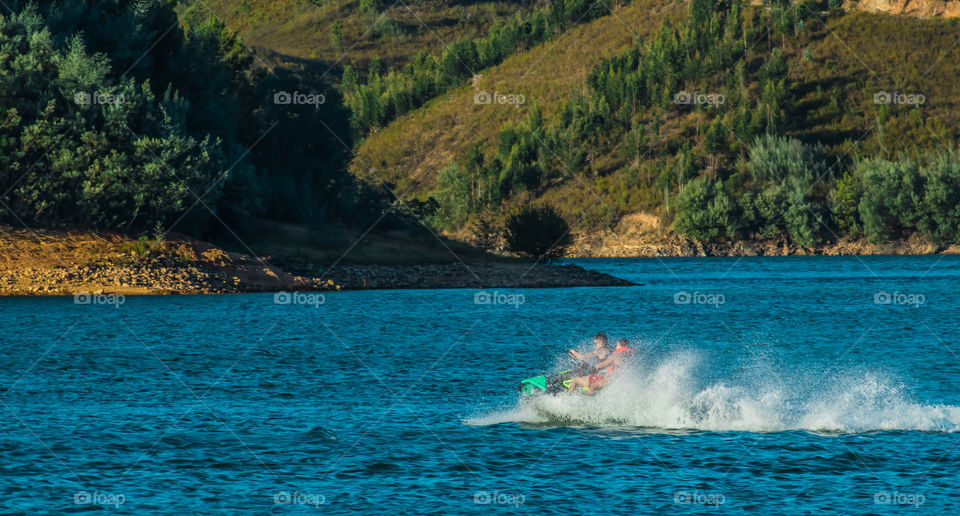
x=918, y=8
x=186, y=266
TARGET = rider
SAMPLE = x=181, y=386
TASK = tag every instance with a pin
x=600, y=349
x=601, y=378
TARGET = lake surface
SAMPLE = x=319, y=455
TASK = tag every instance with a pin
x=795, y=385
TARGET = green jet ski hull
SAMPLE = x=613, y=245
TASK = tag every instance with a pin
x=551, y=384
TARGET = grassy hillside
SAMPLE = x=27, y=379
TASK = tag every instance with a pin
x=807, y=73
x=409, y=152
x=858, y=54
x=298, y=33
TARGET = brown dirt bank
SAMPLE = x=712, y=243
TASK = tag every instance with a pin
x=72, y=262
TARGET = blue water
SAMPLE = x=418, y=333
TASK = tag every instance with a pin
x=795, y=385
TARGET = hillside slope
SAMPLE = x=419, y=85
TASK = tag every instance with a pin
x=410, y=151
x=834, y=66
x=299, y=33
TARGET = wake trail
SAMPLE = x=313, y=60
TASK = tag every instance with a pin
x=677, y=393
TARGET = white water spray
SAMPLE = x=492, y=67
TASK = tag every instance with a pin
x=677, y=393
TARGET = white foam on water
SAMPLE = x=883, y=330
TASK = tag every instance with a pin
x=676, y=393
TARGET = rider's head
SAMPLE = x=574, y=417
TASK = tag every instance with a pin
x=623, y=343
x=600, y=340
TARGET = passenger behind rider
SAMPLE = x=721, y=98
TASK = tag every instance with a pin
x=605, y=369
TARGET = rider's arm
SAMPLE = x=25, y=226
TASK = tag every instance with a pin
x=612, y=360
x=581, y=356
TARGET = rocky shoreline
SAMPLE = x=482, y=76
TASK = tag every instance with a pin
x=667, y=244
x=72, y=263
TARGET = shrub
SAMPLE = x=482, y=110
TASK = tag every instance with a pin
x=776, y=158
x=845, y=198
x=704, y=211
x=940, y=210
x=486, y=232
x=539, y=232
x=891, y=191
x=803, y=217
x=453, y=194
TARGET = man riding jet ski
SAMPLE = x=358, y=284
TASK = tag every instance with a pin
x=584, y=378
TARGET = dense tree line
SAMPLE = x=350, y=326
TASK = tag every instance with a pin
x=107, y=122
x=789, y=189
x=380, y=96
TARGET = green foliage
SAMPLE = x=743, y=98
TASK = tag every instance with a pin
x=844, y=202
x=716, y=141
x=940, y=212
x=779, y=159
x=911, y=194
x=891, y=191
x=369, y=5
x=104, y=124
x=142, y=248
x=336, y=34
x=704, y=211
x=538, y=231
x=778, y=199
x=803, y=216
x=453, y=194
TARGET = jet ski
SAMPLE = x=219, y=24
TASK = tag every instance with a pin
x=552, y=383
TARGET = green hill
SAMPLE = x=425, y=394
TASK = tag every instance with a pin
x=719, y=120
x=601, y=140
